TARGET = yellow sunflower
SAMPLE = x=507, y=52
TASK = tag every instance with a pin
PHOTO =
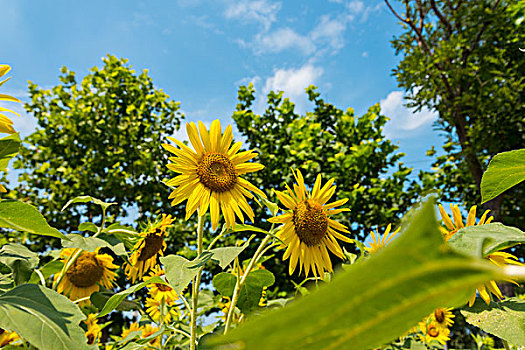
x=497, y=258
x=443, y=317
x=132, y=328
x=150, y=245
x=161, y=291
x=148, y=330
x=433, y=332
x=6, y=124
x=308, y=229
x=153, y=308
x=380, y=241
x=210, y=175
x=94, y=330
x=7, y=337
x=87, y=273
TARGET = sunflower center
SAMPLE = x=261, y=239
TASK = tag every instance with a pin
x=152, y=245
x=440, y=315
x=433, y=331
x=217, y=172
x=90, y=339
x=311, y=222
x=86, y=271
x=163, y=287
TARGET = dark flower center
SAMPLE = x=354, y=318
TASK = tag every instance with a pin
x=439, y=315
x=311, y=222
x=433, y=331
x=86, y=271
x=152, y=245
x=217, y=172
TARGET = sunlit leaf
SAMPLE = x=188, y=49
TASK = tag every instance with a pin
x=180, y=271
x=44, y=318
x=505, y=171
x=87, y=199
x=24, y=217
x=90, y=244
x=9, y=146
x=225, y=255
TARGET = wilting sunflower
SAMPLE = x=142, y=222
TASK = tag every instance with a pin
x=210, y=175
x=380, y=241
x=497, y=258
x=433, y=332
x=151, y=244
x=6, y=124
x=7, y=337
x=154, y=308
x=308, y=229
x=87, y=273
x=94, y=330
x=160, y=291
x=443, y=316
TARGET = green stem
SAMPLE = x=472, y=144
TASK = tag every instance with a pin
x=196, y=283
x=241, y=281
x=505, y=344
x=77, y=253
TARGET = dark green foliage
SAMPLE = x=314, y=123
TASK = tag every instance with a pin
x=100, y=136
x=334, y=143
x=462, y=59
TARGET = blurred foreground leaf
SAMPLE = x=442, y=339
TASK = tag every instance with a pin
x=46, y=319
x=375, y=301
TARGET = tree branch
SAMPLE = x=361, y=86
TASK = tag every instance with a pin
x=441, y=18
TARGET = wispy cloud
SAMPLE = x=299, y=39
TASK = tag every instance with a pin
x=404, y=121
x=282, y=39
x=262, y=11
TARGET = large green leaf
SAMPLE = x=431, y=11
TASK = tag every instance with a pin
x=99, y=299
x=9, y=146
x=225, y=255
x=180, y=271
x=117, y=298
x=24, y=217
x=251, y=291
x=47, y=270
x=90, y=244
x=46, y=319
x=505, y=171
x=20, y=260
x=504, y=319
x=482, y=240
x=87, y=199
x=376, y=300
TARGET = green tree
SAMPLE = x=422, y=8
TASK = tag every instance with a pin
x=334, y=143
x=100, y=136
x=462, y=59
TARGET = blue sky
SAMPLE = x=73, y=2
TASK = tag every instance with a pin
x=200, y=51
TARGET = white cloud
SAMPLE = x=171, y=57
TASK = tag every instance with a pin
x=403, y=121
x=282, y=39
x=330, y=30
x=293, y=81
x=262, y=11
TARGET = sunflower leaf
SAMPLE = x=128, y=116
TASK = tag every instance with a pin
x=87, y=199
x=510, y=316
x=90, y=244
x=251, y=291
x=224, y=283
x=180, y=271
x=505, y=170
x=9, y=146
x=376, y=300
x=20, y=260
x=44, y=318
x=88, y=226
x=99, y=299
x=225, y=255
x=117, y=298
x=24, y=217
x=47, y=270
x=482, y=240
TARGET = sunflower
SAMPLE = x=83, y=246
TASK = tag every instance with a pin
x=497, y=258
x=160, y=291
x=7, y=337
x=132, y=328
x=380, y=241
x=94, y=330
x=443, y=317
x=151, y=243
x=210, y=175
x=87, y=273
x=6, y=124
x=148, y=330
x=308, y=229
x=153, y=308
x=433, y=332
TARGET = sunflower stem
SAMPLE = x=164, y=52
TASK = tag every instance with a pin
x=196, y=283
x=240, y=281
